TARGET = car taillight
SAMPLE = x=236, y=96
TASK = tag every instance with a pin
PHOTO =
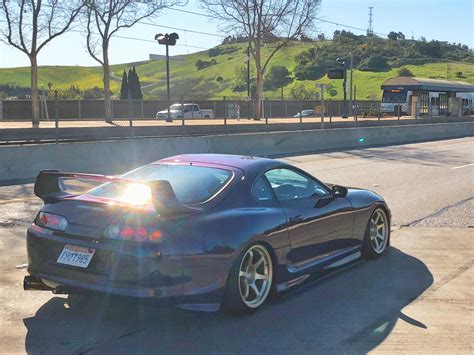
x=138, y=234
x=51, y=221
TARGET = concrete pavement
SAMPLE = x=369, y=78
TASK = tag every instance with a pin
x=418, y=298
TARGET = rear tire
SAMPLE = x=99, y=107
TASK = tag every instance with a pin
x=250, y=280
x=377, y=234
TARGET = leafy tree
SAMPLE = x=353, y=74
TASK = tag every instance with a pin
x=404, y=72
x=124, y=87
x=393, y=35
x=431, y=49
x=134, y=85
x=278, y=77
x=299, y=92
x=137, y=94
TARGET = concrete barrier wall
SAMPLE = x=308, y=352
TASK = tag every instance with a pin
x=112, y=157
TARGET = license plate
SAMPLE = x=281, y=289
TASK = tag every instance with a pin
x=76, y=256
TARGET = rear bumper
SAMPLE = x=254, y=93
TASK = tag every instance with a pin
x=141, y=271
x=64, y=285
x=116, y=268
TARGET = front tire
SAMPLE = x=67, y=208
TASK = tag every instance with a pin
x=250, y=280
x=377, y=234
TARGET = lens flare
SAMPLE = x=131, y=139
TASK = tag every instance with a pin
x=136, y=194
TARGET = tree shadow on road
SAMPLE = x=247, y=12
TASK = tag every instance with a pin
x=353, y=311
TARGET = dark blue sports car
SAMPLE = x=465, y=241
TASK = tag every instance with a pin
x=200, y=231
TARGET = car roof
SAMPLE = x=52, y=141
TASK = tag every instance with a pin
x=236, y=161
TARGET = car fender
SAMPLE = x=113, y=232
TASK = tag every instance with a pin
x=364, y=202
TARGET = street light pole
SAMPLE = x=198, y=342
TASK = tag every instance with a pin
x=168, y=39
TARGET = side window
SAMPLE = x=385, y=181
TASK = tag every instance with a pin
x=290, y=185
x=187, y=108
x=196, y=108
x=261, y=191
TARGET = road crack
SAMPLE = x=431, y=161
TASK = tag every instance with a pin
x=437, y=213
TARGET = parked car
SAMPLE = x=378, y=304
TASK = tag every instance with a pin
x=199, y=231
x=306, y=113
x=190, y=111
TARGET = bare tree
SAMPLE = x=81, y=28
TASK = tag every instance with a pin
x=271, y=23
x=32, y=24
x=106, y=18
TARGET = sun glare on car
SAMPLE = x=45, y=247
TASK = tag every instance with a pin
x=136, y=194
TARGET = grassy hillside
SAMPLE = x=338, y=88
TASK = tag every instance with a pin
x=187, y=80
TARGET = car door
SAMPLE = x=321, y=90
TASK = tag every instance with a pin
x=188, y=113
x=319, y=223
x=196, y=112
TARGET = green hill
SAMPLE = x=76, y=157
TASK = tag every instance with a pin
x=217, y=77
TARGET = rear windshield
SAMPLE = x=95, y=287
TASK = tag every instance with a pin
x=192, y=184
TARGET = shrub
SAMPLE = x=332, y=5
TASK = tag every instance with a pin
x=404, y=72
x=201, y=64
x=214, y=52
x=375, y=63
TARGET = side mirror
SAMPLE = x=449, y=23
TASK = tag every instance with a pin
x=339, y=191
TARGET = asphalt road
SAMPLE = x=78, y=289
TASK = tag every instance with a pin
x=419, y=297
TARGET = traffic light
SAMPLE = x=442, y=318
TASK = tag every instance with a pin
x=336, y=73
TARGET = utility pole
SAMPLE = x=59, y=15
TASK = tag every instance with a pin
x=370, y=30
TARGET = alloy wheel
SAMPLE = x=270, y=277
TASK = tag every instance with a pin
x=255, y=276
x=378, y=231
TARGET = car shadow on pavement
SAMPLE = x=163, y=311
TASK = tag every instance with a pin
x=352, y=311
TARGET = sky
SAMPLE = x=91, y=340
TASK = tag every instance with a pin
x=444, y=20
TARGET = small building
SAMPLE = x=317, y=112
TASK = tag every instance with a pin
x=427, y=97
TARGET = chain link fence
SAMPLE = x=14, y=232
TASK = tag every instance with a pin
x=62, y=120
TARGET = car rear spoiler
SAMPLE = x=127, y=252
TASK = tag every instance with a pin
x=48, y=187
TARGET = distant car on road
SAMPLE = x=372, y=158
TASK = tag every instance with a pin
x=190, y=111
x=199, y=231
x=305, y=113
